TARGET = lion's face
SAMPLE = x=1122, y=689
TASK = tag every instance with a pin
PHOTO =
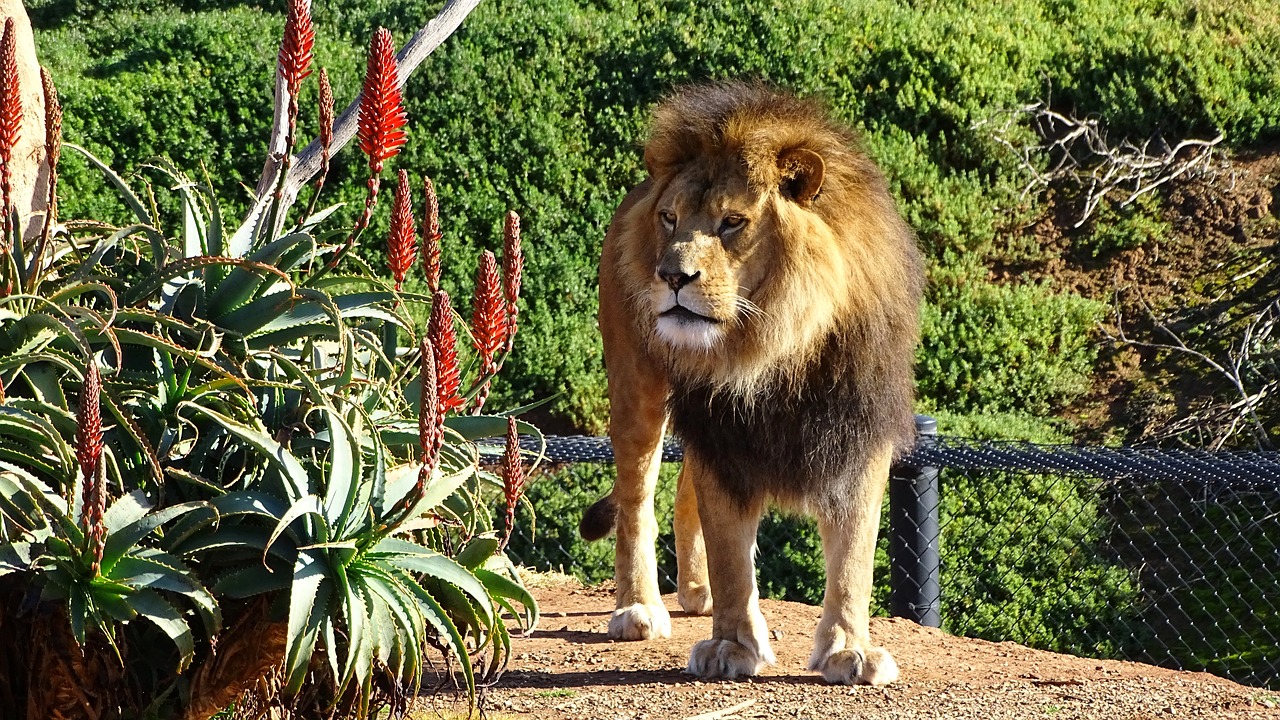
x=709, y=259
x=734, y=278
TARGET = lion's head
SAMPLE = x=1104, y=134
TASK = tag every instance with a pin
x=763, y=230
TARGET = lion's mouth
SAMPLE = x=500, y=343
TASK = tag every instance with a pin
x=685, y=315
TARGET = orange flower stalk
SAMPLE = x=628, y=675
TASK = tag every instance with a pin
x=89, y=457
x=444, y=343
x=10, y=121
x=430, y=416
x=294, y=61
x=513, y=478
x=380, y=128
x=326, y=136
x=431, y=236
x=53, y=146
x=488, y=323
x=402, y=243
x=512, y=272
x=379, y=125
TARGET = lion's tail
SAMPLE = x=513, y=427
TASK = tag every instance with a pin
x=599, y=519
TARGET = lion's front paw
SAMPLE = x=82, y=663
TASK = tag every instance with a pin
x=695, y=599
x=640, y=622
x=727, y=659
x=872, y=666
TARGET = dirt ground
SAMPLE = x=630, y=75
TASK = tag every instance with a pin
x=568, y=668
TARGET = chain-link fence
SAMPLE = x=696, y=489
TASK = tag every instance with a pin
x=1166, y=557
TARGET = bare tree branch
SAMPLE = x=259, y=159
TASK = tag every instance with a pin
x=307, y=162
x=1079, y=152
x=1254, y=378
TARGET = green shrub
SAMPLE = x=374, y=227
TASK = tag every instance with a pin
x=993, y=348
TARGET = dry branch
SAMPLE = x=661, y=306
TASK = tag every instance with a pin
x=1080, y=154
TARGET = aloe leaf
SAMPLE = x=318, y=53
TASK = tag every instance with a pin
x=130, y=199
x=251, y=580
x=501, y=587
x=157, y=570
x=27, y=359
x=251, y=316
x=121, y=541
x=126, y=509
x=476, y=427
x=357, y=619
x=383, y=628
x=439, y=619
x=477, y=551
x=40, y=495
x=341, y=487
x=407, y=617
x=130, y=427
x=104, y=245
x=308, y=605
x=16, y=557
x=242, y=284
x=157, y=280
x=416, y=558
x=16, y=423
x=309, y=505
x=214, y=238
x=296, y=480
x=156, y=610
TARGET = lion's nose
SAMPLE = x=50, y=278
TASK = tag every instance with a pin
x=677, y=279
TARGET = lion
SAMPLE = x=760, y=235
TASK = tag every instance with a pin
x=759, y=293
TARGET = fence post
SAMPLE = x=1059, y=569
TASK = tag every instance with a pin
x=914, y=562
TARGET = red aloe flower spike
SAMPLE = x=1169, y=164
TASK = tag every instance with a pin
x=379, y=127
x=326, y=119
x=294, y=61
x=513, y=478
x=10, y=120
x=326, y=137
x=488, y=324
x=444, y=343
x=431, y=236
x=430, y=420
x=89, y=457
x=53, y=146
x=402, y=244
x=512, y=272
x=1, y=390
x=382, y=118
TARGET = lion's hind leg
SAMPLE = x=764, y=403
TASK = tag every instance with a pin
x=739, y=644
x=693, y=588
x=842, y=649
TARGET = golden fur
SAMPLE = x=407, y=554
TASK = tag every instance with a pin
x=760, y=294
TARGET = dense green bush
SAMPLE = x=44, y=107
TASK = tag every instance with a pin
x=541, y=106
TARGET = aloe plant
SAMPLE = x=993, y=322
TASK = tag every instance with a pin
x=240, y=439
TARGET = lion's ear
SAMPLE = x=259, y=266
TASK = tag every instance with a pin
x=801, y=172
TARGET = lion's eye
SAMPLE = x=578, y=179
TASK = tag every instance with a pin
x=732, y=222
x=668, y=219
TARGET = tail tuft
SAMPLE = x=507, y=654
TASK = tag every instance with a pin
x=599, y=519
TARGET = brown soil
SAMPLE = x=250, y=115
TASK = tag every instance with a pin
x=568, y=668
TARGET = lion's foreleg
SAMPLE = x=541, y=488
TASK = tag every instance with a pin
x=640, y=614
x=842, y=649
x=693, y=586
x=739, y=644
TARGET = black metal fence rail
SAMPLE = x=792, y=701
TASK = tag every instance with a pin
x=1164, y=556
